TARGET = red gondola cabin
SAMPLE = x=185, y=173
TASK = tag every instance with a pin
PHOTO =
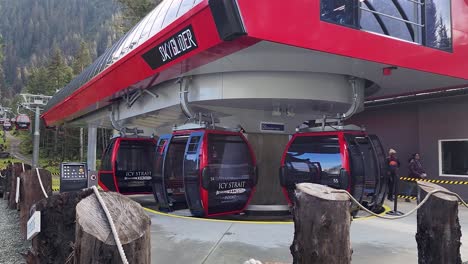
x=22, y=122
x=127, y=165
x=343, y=157
x=211, y=172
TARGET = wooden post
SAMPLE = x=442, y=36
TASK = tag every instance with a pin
x=4, y=184
x=31, y=193
x=94, y=240
x=54, y=244
x=16, y=170
x=439, y=230
x=321, y=226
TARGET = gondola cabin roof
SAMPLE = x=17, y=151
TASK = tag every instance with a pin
x=23, y=119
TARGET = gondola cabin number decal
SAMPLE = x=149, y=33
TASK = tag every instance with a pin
x=175, y=46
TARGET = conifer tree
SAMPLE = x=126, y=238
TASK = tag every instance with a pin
x=82, y=58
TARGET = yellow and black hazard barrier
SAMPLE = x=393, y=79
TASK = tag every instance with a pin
x=407, y=197
x=414, y=197
x=434, y=181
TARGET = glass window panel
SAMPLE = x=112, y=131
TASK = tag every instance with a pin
x=146, y=30
x=128, y=40
x=370, y=23
x=137, y=35
x=172, y=12
x=157, y=25
x=193, y=144
x=343, y=12
x=106, y=164
x=185, y=6
x=454, y=157
x=117, y=51
x=305, y=152
x=134, y=155
x=438, y=24
x=228, y=150
x=396, y=28
x=173, y=164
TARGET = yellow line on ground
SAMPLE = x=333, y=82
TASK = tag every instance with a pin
x=387, y=209
x=218, y=220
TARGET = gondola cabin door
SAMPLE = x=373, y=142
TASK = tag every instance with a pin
x=106, y=178
x=210, y=172
x=192, y=172
x=228, y=174
x=159, y=187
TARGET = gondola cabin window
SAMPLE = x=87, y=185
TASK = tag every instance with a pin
x=135, y=158
x=305, y=152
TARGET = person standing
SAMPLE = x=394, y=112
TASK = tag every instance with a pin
x=393, y=164
x=415, y=171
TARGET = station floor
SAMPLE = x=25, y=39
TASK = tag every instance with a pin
x=177, y=239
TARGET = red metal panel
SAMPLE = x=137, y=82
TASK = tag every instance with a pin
x=104, y=187
x=132, y=68
x=113, y=160
x=345, y=159
x=298, y=23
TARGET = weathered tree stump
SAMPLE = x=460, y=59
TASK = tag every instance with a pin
x=31, y=193
x=439, y=230
x=54, y=244
x=16, y=170
x=94, y=240
x=321, y=226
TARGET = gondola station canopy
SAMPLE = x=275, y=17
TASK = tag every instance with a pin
x=246, y=61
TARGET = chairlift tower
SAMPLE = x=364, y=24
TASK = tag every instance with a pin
x=35, y=103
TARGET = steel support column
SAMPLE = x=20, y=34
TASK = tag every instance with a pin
x=37, y=126
x=92, y=142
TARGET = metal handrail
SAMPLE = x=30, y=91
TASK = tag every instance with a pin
x=416, y=2
x=393, y=17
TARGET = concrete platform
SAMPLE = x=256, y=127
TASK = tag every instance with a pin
x=179, y=239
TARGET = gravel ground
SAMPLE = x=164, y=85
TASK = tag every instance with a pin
x=11, y=244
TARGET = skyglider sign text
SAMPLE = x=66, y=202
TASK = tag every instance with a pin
x=177, y=45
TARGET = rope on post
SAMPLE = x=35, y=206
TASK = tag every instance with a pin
x=22, y=164
x=17, y=197
x=112, y=225
x=40, y=183
x=407, y=214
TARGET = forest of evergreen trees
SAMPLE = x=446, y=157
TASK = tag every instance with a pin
x=45, y=43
